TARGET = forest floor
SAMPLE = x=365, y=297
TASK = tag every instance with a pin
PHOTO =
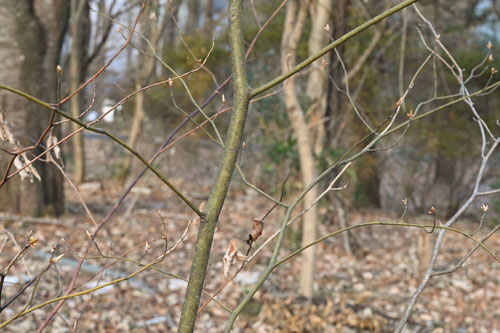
x=363, y=292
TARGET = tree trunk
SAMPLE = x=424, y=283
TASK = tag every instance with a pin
x=334, y=107
x=341, y=218
x=317, y=80
x=292, y=31
x=424, y=252
x=334, y=111
x=144, y=69
x=80, y=33
x=135, y=129
x=193, y=16
x=31, y=34
x=208, y=26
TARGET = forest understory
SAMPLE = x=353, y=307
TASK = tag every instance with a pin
x=363, y=292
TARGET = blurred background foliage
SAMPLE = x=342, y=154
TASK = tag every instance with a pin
x=439, y=148
x=448, y=140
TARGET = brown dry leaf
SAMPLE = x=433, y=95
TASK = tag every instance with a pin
x=52, y=141
x=258, y=226
x=27, y=171
x=231, y=253
x=240, y=256
x=5, y=133
x=229, y=256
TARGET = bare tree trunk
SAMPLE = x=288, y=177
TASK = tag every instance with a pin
x=333, y=110
x=135, y=129
x=292, y=31
x=31, y=36
x=341, y=218
x=317, y=81
x=424, y=252
x=79, y=40
x=139, y=115
x=144, y=70
x=209, y=18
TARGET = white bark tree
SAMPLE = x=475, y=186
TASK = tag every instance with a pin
x=296, y=15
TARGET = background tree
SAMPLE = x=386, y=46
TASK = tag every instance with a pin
x=32, y=34
x=78, y=63
x=296, y=15
x=153, y=24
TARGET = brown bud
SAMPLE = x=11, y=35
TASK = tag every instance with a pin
x=56, y=259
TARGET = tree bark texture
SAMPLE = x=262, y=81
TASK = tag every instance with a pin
x=31, y=34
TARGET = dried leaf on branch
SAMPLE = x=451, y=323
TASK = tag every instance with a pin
x=232, y=253
x=258, y=226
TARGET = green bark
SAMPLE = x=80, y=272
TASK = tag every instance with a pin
x=226, y=168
